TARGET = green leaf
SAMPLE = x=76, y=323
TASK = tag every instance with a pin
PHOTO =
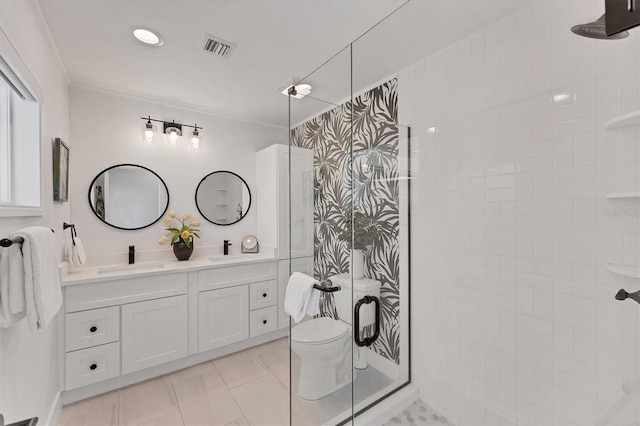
x=174, y=238
x=187, y=242
x=196, y=235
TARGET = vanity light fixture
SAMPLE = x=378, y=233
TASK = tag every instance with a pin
x=172, y=129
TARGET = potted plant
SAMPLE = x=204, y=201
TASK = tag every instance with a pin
x=363, y=234
x=181, y=233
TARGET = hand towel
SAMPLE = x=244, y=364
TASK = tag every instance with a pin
x=73, y=248
x=11, y=279
x=301, y=298
x=78, y=255
x=43, y=296
x=68, y=245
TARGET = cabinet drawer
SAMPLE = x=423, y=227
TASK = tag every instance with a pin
x=262, y=321
x=126, y=290
x=235, y=275
x=92, y=365
x=92, y=328
x=263, y=294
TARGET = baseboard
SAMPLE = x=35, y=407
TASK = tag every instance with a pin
x=386, y=366
x=54, y=411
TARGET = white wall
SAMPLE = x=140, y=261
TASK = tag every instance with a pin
x=108, y=131
x=514, y=315
x=29, y=362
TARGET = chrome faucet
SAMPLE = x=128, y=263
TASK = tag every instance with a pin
x=227, y=243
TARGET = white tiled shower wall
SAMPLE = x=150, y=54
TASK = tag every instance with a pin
x=513, y=314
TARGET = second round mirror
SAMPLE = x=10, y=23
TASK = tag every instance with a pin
x=223, y=198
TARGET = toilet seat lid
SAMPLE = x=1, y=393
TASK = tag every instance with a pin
x=319, y=330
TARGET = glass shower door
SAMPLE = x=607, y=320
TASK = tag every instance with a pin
x=321, y=345
x=355, y=352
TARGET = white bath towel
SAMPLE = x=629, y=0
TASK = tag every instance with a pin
x=43, y=296
x=11, y=280
x=301, y=298
x=17, y=303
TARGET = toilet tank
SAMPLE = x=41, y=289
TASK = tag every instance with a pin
x=345, y=303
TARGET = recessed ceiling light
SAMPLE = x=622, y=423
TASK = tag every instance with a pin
x=148, y=36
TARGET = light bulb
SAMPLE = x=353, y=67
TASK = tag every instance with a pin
x=148, y=135
x=173, y=137
x=148, y=131
x=195, y=138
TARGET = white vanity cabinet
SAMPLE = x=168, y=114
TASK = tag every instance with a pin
x=274, y=211
x=153, y=332
x=236, y=303
x=223, y=317
x=121, y=330
x=123, y=325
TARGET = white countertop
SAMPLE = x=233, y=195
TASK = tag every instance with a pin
x=83, y=275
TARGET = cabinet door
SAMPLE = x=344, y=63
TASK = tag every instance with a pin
x=153, y=332
x=301, y=213
x=302, y=264
x=223, y=317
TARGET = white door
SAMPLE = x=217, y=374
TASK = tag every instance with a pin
x=223, y=317
x=153, y=332
x=302, y=264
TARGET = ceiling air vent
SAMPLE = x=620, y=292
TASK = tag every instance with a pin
x=218, y=46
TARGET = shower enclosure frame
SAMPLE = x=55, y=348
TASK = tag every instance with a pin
x=404, y=374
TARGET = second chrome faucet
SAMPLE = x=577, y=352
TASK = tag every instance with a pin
x=227, y=243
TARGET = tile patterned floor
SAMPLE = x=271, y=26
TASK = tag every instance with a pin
x=246, y=388
x=418, y=413
x=250, y=387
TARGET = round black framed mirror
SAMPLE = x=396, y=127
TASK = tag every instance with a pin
x=128, y=196
x=223, y=198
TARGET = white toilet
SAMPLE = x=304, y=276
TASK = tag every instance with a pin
x=324, y=344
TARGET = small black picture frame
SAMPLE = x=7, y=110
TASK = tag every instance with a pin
x=60, y=170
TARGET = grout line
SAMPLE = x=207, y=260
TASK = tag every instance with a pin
x=177, y=400
x=117, y=417
x=238, y=405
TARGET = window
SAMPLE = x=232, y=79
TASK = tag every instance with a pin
x=20, y=192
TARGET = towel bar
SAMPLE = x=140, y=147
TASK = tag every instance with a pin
x=329, y=289
x=7, y=242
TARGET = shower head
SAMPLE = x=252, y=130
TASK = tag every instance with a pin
x=597, y=29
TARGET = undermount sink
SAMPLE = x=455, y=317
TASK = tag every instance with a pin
x=233, y=257
x=129, y=269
